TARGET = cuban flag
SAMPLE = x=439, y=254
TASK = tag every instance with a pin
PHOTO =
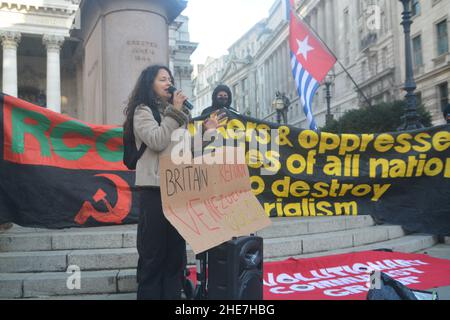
x=310, y=62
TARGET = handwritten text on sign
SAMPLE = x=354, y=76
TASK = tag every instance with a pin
x=210, y=204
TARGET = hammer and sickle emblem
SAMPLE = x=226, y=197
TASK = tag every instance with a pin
x=115, y=214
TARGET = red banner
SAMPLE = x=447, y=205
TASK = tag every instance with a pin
x=38, y=136
x=346, y=276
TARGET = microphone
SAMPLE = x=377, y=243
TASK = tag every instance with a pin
x=186, y=103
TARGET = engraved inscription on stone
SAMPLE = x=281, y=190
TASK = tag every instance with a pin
x=45, y=21
x=142, y=51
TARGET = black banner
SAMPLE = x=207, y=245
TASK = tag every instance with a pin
x=397, y=178
x=56, y=171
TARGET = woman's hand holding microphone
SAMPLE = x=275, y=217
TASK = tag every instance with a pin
x=178, y=99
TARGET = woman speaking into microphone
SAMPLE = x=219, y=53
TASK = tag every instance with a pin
x=153, y=113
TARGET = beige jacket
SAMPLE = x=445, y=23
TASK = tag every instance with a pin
x=156, y=137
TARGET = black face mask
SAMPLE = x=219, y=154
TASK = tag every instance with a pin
x=222, y=102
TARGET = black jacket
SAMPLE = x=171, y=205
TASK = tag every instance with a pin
x=215, y=106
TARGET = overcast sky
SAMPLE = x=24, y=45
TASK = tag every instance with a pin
x=217, y=24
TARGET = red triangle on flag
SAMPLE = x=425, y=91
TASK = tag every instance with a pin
x=310, y=52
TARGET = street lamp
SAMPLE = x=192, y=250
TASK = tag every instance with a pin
x=281, y=104
x=410, y=118
x=329, y=80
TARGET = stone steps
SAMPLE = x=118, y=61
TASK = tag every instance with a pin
x=106, y=296
x=30, y=239
x=33, y=262
x=71, y=239
x=409, y=244
x=118, y=283
x=283, y=227
x=279, y=247
x=121, y=258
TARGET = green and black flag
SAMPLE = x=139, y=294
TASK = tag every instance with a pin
x=58, y=172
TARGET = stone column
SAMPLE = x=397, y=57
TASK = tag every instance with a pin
x=321, y=20
x=314, y=19
x=10, y=41
x=120, y=39
x=329, y=12
x=53, y=44
x=326, y=21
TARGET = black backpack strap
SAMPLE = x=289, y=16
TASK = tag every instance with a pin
x=157, y=117
x=141, y=150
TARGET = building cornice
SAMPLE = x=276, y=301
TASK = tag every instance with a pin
x=275, y=35
x=173, y=8
x=67, y=8
x=258, y=25
x=375, y=79
x=38, y=17
x=185, y=46
x=241, y=66
x=433, y=74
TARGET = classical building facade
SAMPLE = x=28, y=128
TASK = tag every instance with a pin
x=44, y=60
x=36, y=51
x=431, y=56
x=204, y=79
x=368, y=40
x=255, y=68
x=181, y=49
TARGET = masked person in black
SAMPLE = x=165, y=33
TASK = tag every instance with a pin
x=221, y=98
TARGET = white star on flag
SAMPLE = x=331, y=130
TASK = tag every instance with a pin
x=304, y=47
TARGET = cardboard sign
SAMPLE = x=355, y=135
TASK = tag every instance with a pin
x=210, y=203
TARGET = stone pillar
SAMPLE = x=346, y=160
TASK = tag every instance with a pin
x=53, y=44
x=321, y=20
x=326, y=21
x=120, y=39
x=329, y=12
x=314, y=19
x=10, y=41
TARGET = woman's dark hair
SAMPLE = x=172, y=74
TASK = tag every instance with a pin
x=143, y=94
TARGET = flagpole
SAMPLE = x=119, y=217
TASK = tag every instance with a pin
x=337, y=60
x=354, y=82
